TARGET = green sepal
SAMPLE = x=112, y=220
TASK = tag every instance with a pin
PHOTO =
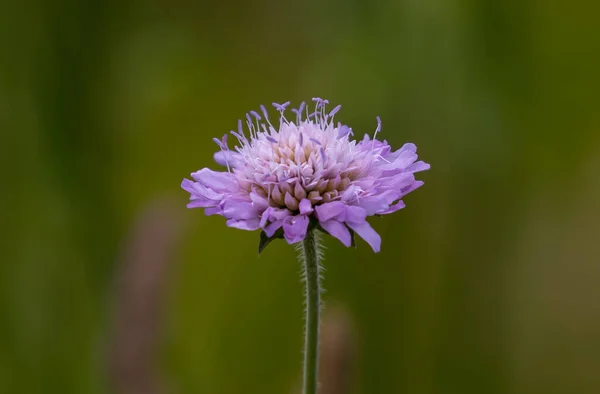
x=352, y=241
x=265, y=240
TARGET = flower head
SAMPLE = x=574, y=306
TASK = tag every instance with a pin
x=289, y=175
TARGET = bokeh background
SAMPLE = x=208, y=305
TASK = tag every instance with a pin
x=488, y=282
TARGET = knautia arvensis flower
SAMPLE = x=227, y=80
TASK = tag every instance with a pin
x=289, y=175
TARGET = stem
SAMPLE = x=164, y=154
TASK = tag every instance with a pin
x=311, y=254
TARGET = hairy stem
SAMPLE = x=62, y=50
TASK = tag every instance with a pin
x=310, y=258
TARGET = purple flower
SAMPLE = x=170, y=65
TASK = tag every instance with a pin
x=287, y=179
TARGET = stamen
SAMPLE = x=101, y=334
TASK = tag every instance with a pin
x=323, y=105
x=218, y=142
x=301, y=139
x=240, y=128
x=377, y=130
x=239, y=137
x=264, y=111
x=250, y=126
x=298, y=112
x=255, y=114
x=223, y=145
x=319, y=103
x=302, y=104
x=281, y=107
x=273, y=140
x=316, y=141
x=335, y=110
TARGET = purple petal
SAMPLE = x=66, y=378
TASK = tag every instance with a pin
x=393, y=208
x=250, y=225
x=306, y=207
x=200, y=196
x=239, y=210
x=330, y=210
x=199, y=203
x=223, y=157
x=217, y=181
x=279, y=214
x=379, y=202
x=187, y=185
x=398, y=181
x=265, y=217
x=408, y=147
x=418, y=166
x=403, y=160
x=213, y=211
x=355, y=214
x=414, y=186
x=272, y=227
x=367, y=233
x=337, y=230
x=343, y=131
x=294, y=228
x=199, y=191
x=259, y=201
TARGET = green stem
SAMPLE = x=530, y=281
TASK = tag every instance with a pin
x=313, y=309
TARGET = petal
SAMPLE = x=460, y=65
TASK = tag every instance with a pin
x=217, y=181
x=379, y=202
x=408, y=147
x=393, y=208
x=187, y=185
x=355, y=214
x=213, y=211
x=239, y=210
x=270, y=228
x=224, y=157
x=403, y=160
x=294, y=228
x=206, y=193
x=367, y=233
x=265, y=217
x=337, y=230
x=201, y=203
x=415, y=185
x=418, y=166
x=279, y=214
x=306, y=207
x=259, y=201
x=330, y=210
x=397, y=181
x=250, y=225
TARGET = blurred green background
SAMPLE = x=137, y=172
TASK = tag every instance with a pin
x=488, y=282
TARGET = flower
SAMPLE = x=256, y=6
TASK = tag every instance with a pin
x=305, y=173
